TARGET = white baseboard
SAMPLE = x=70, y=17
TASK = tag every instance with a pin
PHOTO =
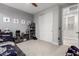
x=55, y=43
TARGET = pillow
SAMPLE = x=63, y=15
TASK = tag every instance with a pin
x=7, y=43
x=6, y=38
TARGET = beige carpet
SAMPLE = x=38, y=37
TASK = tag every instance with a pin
x=42, y=48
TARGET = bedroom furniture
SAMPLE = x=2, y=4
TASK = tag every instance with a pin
x=72, y=51
x=8, y=49
x=20, y=38
x=17, y=33
x=8, y=36
x=11, y=49
x=32, y=30
x=18, y=41
x=24, y=36
x=17, y=37
x=27, y=34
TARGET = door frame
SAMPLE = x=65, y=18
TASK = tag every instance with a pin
x=60, y=39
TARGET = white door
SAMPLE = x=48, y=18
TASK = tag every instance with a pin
x=45, y=22
x=70, y=29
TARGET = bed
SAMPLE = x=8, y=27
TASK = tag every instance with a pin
x=8, y=49
x=7, y=45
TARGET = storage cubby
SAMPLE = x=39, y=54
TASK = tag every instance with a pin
x=32, y=30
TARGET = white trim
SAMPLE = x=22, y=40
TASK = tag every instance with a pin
x=55, y=43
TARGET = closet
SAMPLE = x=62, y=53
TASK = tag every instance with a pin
x=44, y=26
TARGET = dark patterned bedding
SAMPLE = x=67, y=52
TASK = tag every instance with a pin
x=8, y=50
x=72, y=51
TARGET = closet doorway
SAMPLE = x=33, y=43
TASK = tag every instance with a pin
x=70, y=26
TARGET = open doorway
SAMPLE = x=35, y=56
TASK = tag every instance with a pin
x=70, y=25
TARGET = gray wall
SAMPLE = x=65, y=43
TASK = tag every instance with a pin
x=13, y=13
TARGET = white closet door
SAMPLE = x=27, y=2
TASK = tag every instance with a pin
x=45, y=26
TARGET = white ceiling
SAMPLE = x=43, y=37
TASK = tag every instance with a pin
x=28, y=7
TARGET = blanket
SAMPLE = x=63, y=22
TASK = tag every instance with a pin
x=8, y=50
x=72, y=51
